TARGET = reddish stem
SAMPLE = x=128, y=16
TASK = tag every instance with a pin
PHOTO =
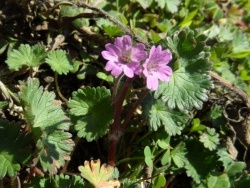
x=115, y=132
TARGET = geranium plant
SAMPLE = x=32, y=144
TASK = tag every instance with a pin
x=124, y=94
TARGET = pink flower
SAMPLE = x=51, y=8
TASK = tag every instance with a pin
x=123, y=57
x=155, y=67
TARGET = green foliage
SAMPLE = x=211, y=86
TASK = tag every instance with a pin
x=148, y=156
x=92, y=111
x=48, y=124
x=209, y=138
x=159, y=181
x=200, y=162
x=67, y=12
x=161, y=116
x=59, y=61
x=58, y=181
x=197, y=126
x=188, y=138
x=26, y=55
x=178, y=155
x=224, y=157
x=3, y=104
x=14, y=148
x=39, y=110
x=215, y=181
x=171, y=5
x=190, y=83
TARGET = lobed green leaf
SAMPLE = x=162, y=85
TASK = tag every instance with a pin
x=161, y=116
x=210, y=138
x=26, y=55
x=91, y=109
x=48, y=124
x=59, y=62
x=57, y=181
x=189, y=84
x=15, y=148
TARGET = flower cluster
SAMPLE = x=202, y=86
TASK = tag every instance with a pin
x=124, y=57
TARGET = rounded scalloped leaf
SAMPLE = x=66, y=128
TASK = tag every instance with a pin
x=184, y=90
x=59, y=62
x=14, y=148
x=26, y=55
x=92, y=110
x=54, y=149
x=189, y=84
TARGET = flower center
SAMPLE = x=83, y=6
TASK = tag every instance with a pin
x=152, y=66
x=125, y=57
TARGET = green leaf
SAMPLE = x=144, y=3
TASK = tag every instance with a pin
x=14, y=148
x=54, y=148
x=215, y=180
x=59, y=62
x=57, y=181
x=128, y=183
x=113, y=31
x=145, y=3
x=160, y=116
x=104, y=76
x=92, y=110
x=26, y=55
x=155, y=37
x=189, y=84
x=172, y=5
x=188, y=19
x=224, y=157
x=85, y=70
x=197, y=126
x=159, y=181
x=210, y=138
x=240, y=42
x=218, y=181
x=47, y=123
x=243, y=182
x=166, y=158
x=178, y=155
x=199, y=162
x=235, y=168
x=164, y=142
x=40, y=109
x=67, y=11
x=148, y=156
x=3, y=104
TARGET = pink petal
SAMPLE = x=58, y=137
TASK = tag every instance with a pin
x=124, y=43
x=163, y=77
x=152, y=82
x=116, y=71
x=136, y=67
x=110, y=65
x=113, y=49
x=109, y=56
x=128, y=71
x=152, y=51
x=167, y=70
x=127, y=42
x=138, y=53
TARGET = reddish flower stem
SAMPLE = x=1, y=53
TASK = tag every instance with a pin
x=115, y=132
